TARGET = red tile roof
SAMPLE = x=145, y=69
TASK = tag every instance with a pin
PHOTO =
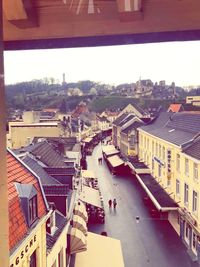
x=17, y=172
x=175, y=108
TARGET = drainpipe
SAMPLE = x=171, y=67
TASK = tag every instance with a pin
x=4, y=249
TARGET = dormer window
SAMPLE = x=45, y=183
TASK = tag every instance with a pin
x=33, y=209
x=28, y=198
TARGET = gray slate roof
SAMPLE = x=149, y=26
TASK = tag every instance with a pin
x=177, y=128
x=119, y=119
x=126, y=119
x=45, y=152
x=193, y=150
x=45, y=178
x=133, y=125
x=61, y=222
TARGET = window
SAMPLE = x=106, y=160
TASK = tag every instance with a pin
x=178, y=162
x=194, y=202
x=177, y=187
x=152, y=164
x=159, y=151
x=187, y=230
x=141, y=138
x=33, y=262
x=186, y=189
x=148, y=144
x=163, y=153
x=153, y=148
x=156, y=149
x=32, y=209
x=195, y=166
x=194, y=241
x=159, y=170
x=186, y=167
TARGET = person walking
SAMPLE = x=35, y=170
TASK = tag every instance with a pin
x=114, y=203
x=110, y=203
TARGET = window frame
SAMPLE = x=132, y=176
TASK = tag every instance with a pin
x=33, y=209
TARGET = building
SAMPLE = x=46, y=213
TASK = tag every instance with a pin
x=169, y=146
x=175, y=108
x=194, y=100
x=103, y=123
x=140, y=113
x=28, y=214
x=129, y=139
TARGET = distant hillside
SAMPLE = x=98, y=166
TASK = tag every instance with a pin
x=101, y=103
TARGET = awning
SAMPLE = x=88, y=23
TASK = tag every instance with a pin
x=111, y=152
x=80, y=210
x=108, y=148
x=90, y=196
x=87, y=174
x=76, y=241
x=87, y=140
x=102, y=251
x=79, y=223
x=156, y=193
x=138, y=167
x=115, y=161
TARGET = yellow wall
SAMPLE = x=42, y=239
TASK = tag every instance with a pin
x=19, y=135
x=146, y=154
x=35, y=241
x=191, y=99
x=61, y=244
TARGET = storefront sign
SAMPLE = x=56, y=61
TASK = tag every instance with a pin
x=24, y=252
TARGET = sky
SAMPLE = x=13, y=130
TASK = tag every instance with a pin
x=177, y=62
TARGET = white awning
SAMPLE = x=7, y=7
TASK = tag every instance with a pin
x=79, y=223
x=107, y=148
x=77, y=241
x=87, y=174
x=80, y=210
x=90, y=196
x=102, y=251
x=87, y=140
x=115, y=161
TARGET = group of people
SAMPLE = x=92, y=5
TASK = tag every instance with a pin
x=112, y=202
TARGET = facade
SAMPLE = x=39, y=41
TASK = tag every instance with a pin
x=169, y=147
x=194, y=100
x=129, y=139
x=28, y=213
x=103, y=123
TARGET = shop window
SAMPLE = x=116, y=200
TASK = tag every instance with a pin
x=187, y=231
x=194, y=241
x=33, y=209
x=33, y=260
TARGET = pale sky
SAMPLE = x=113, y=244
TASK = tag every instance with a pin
x=175, y=61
